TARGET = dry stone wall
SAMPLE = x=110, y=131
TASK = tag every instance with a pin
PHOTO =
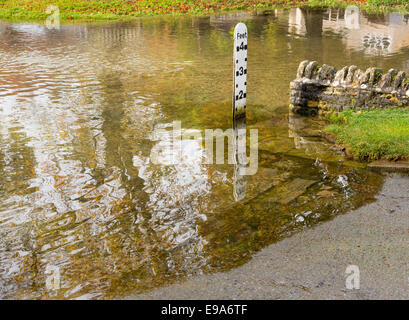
x=322, y=89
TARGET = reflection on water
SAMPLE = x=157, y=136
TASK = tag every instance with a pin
x=374, y=34
x=240, y=157
x=81, y=191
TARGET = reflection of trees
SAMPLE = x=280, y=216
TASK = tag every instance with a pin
x=97, y=223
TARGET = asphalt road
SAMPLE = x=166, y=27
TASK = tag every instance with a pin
x=312, y=264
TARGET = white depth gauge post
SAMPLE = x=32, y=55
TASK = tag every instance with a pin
x=240, y=70
x=239, y=110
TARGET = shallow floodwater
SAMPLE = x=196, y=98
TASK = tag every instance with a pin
x=86, y=212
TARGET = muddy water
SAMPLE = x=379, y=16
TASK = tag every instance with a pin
x=86, y=212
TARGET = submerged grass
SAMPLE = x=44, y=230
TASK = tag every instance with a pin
x=128, y=9
x=373, y=134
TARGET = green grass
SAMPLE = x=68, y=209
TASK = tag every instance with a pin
x=129, y=9
x=374, y=134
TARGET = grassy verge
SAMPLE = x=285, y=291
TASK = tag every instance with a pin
x=128, y=9
x=372, y=135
